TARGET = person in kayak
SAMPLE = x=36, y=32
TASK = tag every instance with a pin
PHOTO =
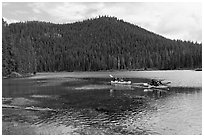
x=155, y=82
x=116, y=79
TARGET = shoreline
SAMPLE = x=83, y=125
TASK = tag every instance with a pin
x=169, y=75
x=28, y=75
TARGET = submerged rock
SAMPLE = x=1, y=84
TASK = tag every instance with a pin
x=93, y=87
x=23, y=101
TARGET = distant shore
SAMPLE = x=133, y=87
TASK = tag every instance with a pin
x=18, y=75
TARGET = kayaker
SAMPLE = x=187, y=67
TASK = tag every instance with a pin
x=116, y=79
x=154, y=82
x=121, y=79
x=160, y=83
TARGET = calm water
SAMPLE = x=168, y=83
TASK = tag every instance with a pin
x=86, y=103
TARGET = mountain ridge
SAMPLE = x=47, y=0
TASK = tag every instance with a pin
x=102, y=43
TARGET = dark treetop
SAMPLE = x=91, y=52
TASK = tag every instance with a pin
x=102, y=43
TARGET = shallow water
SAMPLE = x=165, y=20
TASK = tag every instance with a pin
x=86, y=103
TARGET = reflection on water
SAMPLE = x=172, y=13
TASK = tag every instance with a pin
x=93, y=106
x=155, y=93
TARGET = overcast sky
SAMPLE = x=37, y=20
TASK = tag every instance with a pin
x=171, y=20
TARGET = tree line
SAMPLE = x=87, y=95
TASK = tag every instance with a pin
x=102, y=43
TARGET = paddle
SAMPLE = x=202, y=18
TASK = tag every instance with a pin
x=111, y=76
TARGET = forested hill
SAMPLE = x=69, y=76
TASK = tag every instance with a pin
x=102, y=43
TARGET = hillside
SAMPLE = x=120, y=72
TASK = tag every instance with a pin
x=102, y=43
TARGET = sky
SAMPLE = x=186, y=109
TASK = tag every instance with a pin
x=174, y=20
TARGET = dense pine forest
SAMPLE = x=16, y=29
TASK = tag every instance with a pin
x=102, y=43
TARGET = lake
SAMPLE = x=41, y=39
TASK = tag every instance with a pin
x=86, y=103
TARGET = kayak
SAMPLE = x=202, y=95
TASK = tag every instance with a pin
x=158, y=90
x=121, y=82
x=148, y=86
x=158, y=87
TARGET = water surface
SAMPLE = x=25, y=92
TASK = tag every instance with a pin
x=86, y=103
